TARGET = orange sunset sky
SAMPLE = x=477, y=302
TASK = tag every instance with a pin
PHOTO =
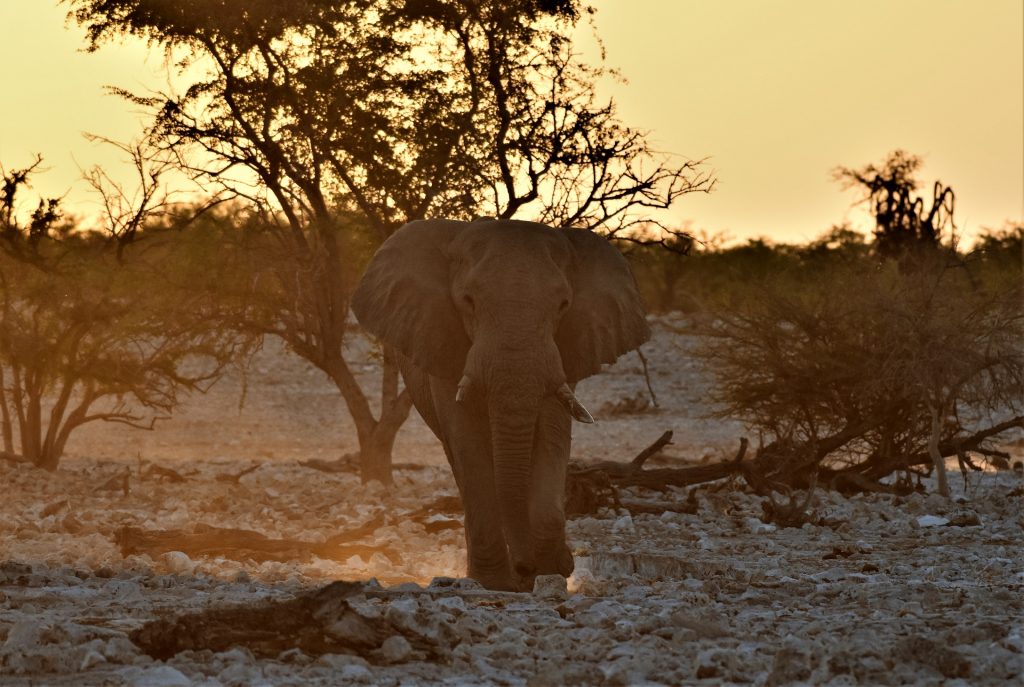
x=776, y=93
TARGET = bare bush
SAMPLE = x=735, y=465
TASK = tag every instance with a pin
x=93, y=329
x=870, y=369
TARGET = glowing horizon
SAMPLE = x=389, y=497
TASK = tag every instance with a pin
x=775, y=95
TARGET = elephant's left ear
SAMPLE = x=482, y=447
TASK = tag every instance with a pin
x=607, y=316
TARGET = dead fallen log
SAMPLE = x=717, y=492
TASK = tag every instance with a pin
x=336, y=619
x=594, y=485
x=616, y=470
x=947, y=449
x=243, y=545
x=780, y=466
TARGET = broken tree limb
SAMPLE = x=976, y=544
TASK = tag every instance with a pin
x=592, y=486
x=876, y=470
x=663, y=441
x=996, y=458
x=440, y=514
x=615, y=470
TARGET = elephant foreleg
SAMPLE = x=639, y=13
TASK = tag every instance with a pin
x=547, y=497
x=467, y=444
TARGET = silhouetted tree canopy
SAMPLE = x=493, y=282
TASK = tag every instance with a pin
x=339, y=121
x=904, y=221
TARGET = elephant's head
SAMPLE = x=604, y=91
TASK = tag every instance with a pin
x=514, y=311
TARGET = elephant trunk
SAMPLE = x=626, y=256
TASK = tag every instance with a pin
x=513, y=417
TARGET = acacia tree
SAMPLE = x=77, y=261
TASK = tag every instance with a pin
x=340, y=120
x=91, y=332
x=905, y=225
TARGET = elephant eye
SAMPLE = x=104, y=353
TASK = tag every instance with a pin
x=564, y=306
x=468, y=301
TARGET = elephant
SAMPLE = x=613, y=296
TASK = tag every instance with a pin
x=493, y=322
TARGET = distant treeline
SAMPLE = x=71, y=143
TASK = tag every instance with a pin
x=707, y=276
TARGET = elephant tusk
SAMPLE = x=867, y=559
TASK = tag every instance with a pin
x=464, y=385
x=576, y=409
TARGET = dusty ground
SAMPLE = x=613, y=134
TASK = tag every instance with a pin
x=884, y=590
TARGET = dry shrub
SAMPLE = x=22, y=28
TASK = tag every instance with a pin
x=862, y=369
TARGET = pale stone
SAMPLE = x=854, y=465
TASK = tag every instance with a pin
x=161, y=676
x=550, y=587
x=396, y=649
x=178, y=562
x=932, y=521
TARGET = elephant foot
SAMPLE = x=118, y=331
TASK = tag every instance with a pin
x=555, y=560
x=500, y=581
x=523, y=575
x=519, y=579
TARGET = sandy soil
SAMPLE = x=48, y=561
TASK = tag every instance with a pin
x=882, y=590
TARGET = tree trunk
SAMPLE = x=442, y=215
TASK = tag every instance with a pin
x=5, y=417
x=938, y=462
x=31, y=439
x=375, y=457
x=33, y=445
x=376, y=435
x=375, y=453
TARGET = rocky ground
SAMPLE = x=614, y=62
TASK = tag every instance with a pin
x=878, y=590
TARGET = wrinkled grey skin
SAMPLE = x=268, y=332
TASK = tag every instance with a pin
x=506, y=317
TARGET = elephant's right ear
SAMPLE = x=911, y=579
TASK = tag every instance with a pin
x=404, y=298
